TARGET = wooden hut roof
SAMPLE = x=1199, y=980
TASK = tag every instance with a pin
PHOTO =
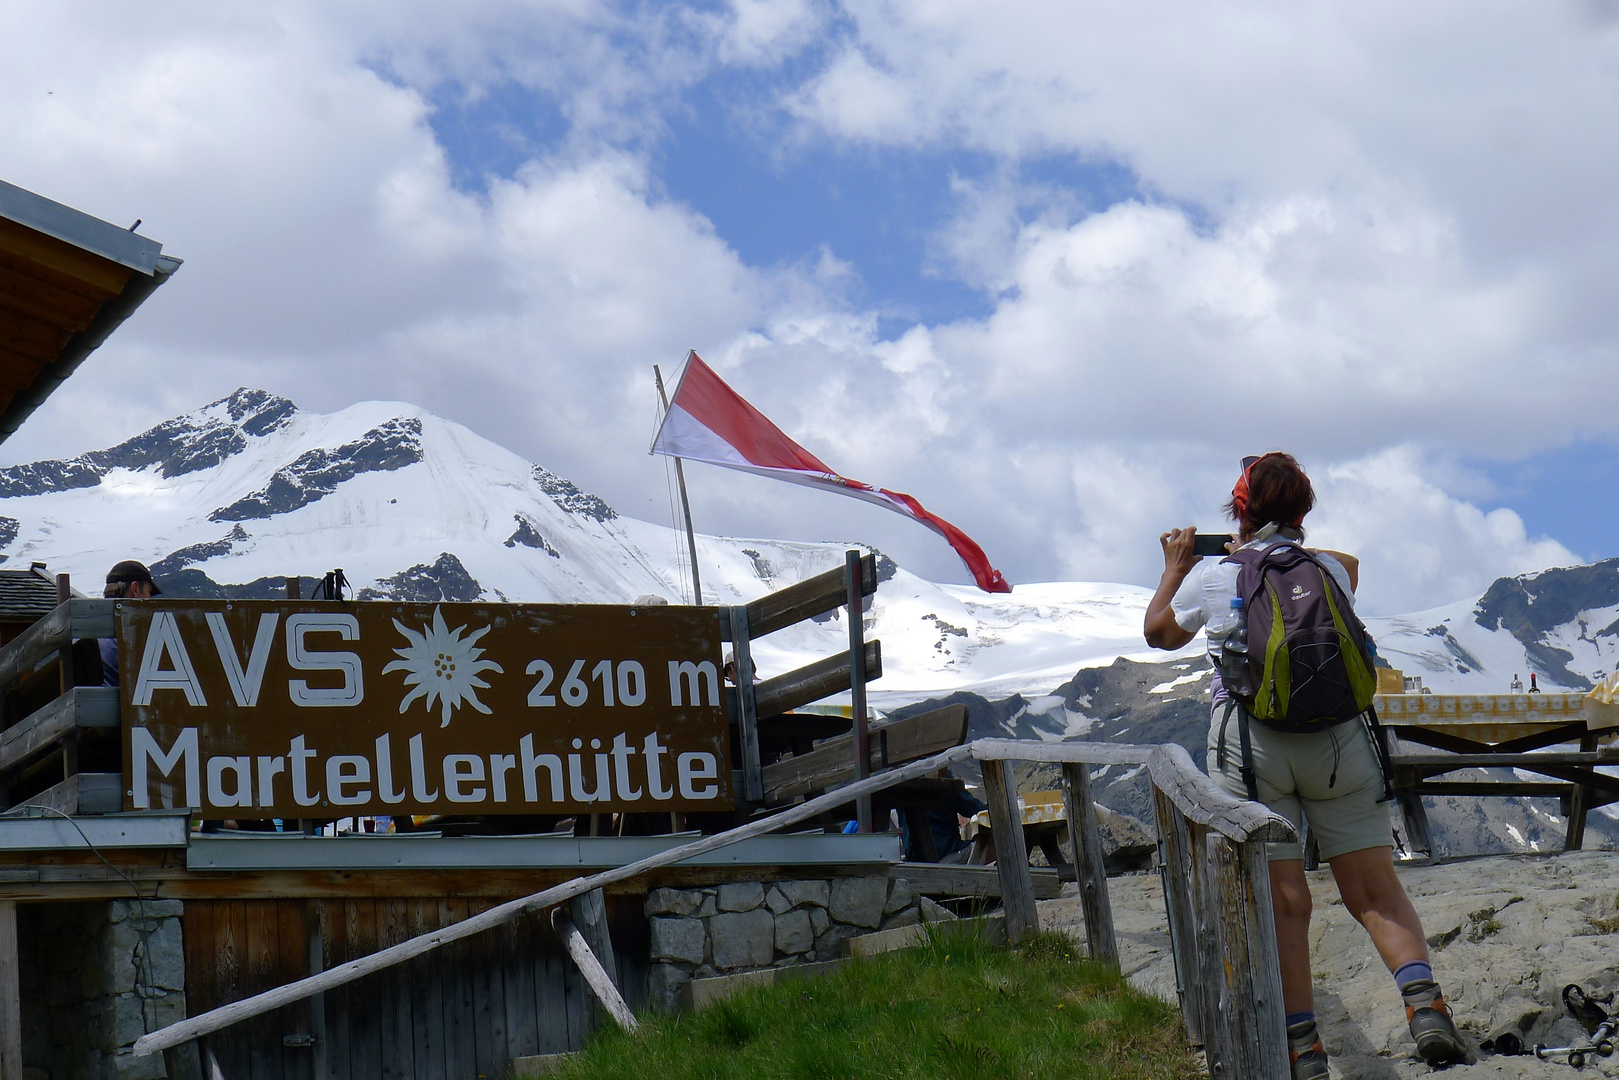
x=67, y=280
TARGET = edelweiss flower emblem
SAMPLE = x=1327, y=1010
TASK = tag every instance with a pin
x=442, y=666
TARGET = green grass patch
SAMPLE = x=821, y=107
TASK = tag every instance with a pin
x=954, y=1007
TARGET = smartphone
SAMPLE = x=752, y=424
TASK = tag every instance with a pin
x=1210, y=543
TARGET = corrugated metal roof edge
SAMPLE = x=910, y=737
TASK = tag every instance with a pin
x=75, y=227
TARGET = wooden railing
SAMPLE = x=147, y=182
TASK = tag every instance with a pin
x=1216, y=890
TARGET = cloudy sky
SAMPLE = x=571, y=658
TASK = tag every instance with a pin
x=1050, y=267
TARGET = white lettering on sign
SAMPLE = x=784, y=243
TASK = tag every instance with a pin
x=698, y=766
x=143, y=749
x=694, y=677
x=301, y=658
x=600, y=772
x=244, y=683
x=163, y=636
x=242, y=769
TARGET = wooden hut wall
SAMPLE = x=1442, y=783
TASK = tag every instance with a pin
x=460, y=1012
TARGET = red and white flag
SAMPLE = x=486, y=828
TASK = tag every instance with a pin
x=708, y=421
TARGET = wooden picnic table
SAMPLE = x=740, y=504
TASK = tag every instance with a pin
x=1491, y=731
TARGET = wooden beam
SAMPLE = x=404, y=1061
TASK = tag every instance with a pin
x=82, y=707
x=810, y=597
x=594, y=967
x=812, y=682
x=24, y=652
x=595, y=975
x=896, y=742
x=958, y=880
x=1090, y=871
x=10, y=995
x=1011, y=856
x=82, y=793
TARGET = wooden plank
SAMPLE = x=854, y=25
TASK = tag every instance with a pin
x=1608, y=755
x=44, y=301
x=1251, y=985
x=1094, y=753
x=958, y=880
x=1090, y=871
x=315, y=952
x=230, y=963
x=194, y=1026
x=517, y=976
x=831, y=762
x=365, y=1021
x=82, y=707
x=551, y=968
x=82, y=793
x=393, y=1001
x=812, y=682
x=21, y=334
x=90, y=274
x=292, y=945
x=334, y=925
x=590, y=967
x=10, y=994
x=1011, y=856
x=1175, y=870
x=810, y=597
x=94, y=617
x=488, y=998
x=461, y=1049
x=426, y=996
x=264, y=1033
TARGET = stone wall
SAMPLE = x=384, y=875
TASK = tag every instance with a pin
x=747, y=925
x=95, y=977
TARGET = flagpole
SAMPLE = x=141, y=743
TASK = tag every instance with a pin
x=685, y=505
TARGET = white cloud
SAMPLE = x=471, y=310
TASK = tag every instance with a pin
x=1419, y=547
x=1357, y=229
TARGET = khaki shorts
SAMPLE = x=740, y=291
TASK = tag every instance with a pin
x=1295, y=775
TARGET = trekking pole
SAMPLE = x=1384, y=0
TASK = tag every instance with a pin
x=1602, y=1042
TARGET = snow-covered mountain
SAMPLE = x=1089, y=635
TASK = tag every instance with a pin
x=236, y=496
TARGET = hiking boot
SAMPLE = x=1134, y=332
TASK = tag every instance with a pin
x=1305, y=1052
x=1431, y=1025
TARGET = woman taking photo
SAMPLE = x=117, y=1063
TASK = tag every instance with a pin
x=1331, y=777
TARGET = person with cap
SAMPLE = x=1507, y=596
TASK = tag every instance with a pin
x=128, y=580
x=1330, y=778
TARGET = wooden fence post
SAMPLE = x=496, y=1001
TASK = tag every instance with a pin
x=1175, y=870
x=1250, y=988
x=1011, y=853
x=10, y=994
x=1090, y=872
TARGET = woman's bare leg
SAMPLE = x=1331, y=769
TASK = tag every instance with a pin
x=1290, y=902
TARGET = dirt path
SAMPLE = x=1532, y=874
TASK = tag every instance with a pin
x=1508, y=931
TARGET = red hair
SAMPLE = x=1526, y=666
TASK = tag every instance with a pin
x=1271, y=488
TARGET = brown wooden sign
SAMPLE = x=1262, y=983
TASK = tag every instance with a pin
x=307, y=710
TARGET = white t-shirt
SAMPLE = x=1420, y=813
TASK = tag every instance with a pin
x=1206, y=594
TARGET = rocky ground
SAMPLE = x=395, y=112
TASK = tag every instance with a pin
x=1507, y=933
